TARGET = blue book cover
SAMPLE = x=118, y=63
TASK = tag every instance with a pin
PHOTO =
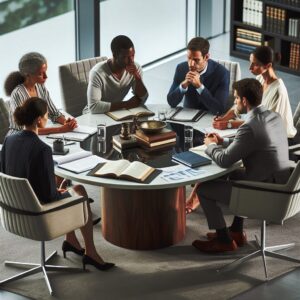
x=191, y=159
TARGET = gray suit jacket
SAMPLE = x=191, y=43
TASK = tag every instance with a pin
x=261, y=144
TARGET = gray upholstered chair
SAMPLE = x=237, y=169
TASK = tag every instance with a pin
x=4, y=120
x=235, y=74
x=267, y=202
x=22, y=214
x=295, y=148
x=74, y=78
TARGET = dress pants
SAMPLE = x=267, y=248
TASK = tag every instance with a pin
x=210, y=194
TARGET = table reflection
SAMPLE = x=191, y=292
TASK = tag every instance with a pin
x=157, y=158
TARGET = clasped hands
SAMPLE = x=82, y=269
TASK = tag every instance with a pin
x=70, y=124
x=213, y=138
x=193, y=78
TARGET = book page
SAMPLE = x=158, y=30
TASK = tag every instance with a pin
x=83, y=164
x=186, y=114
x=120, y=114
x=59, y=159
x=142, y=110
x=113, y=167
x=85, y=129
x=138, y=170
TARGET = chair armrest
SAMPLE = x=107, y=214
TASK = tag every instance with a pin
x=264, y=186
x=62, y=204
x=47, y=208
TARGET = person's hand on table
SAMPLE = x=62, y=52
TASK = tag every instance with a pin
x=220, y=124
x=213, y=138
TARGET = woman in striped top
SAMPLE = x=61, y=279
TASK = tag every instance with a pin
x=29, y=82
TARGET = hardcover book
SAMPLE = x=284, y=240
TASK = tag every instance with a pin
x=124, y=144
x=183, y=114
x=191, y=159
x=165, y=134
x=124, y=114
x=124, y=169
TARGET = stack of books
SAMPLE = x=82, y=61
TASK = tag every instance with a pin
x=163, y=139
x=288, y=2
x=294, y=27
x=253, y=12
x=295, y=56
x=275, y=19
x=247, y=40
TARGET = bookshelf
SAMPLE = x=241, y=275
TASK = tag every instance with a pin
x=265, y=22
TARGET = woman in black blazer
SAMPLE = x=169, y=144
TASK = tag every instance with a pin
x=25, y=155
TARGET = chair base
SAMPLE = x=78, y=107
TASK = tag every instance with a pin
x=36, y=268
x=262, y=251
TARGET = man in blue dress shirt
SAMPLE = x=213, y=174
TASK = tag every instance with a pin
x=202, y=82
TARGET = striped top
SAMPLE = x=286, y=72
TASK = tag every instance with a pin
x=19, y=95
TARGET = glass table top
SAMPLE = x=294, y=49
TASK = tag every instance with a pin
x=157, y=158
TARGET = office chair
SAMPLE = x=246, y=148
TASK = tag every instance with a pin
x=267, y=202
x=74, y=78
x=4, y=120
x=23, y=215
x=235, y=75
x=295, y=148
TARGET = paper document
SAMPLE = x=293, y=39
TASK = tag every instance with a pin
x=181, y=174
x=79, y=134
x=222, y=133
x=82, y=164
x=59, y=159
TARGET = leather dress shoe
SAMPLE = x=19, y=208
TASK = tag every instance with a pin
x=239, y=237
x=214, y=246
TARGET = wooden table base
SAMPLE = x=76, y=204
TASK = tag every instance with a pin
x=143, y=219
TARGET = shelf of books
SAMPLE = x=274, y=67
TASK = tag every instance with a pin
x=273, y=23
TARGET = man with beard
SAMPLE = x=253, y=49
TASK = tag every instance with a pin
x=111, y=80
x=202, y=82
x=261, y=144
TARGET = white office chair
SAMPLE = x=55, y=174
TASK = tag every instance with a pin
x=267, y=202
x=23, y=215
x=4, y=120
x=74, y=78
x=235, y=75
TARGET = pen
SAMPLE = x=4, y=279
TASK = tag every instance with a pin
x=70, y=143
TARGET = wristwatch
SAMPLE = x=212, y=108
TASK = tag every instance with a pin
x=229, y=125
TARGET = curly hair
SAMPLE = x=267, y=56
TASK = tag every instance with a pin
x=29, y=64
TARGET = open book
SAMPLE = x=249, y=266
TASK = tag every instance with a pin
x=124, y=114
x=124, y=169
x=79, y=134
x=183, y=114
x=78, y=162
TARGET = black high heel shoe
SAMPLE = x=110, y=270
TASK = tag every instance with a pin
x=66, y=246
x=86, y=260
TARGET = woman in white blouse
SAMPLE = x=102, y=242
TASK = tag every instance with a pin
x=29, y=82
x=275, y=96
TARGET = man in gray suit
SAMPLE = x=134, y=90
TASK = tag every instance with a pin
x=261, y=144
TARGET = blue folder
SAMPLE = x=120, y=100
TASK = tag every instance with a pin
x=191, y=159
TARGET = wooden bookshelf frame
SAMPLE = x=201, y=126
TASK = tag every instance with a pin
x=281, y=42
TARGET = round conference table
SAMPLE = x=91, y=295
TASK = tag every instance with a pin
x=137, y=215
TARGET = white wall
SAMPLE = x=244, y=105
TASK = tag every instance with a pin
x=157, y=27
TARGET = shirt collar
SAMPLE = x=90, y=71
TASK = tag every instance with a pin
x=204, y=70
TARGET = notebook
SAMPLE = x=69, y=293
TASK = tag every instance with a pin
x=191, y=159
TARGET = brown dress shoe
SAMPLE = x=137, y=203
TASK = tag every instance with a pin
x=214, y=246
x=239, y=237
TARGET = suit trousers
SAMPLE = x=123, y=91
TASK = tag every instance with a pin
x=210, y=194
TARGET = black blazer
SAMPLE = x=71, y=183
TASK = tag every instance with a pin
x=25, y=155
